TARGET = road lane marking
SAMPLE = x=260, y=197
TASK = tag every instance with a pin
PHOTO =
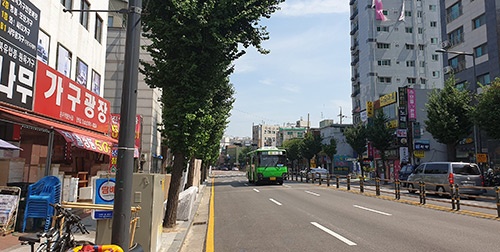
x=330, y=232
x=209, y=244
x=312, y=193
x=275, y=202
x=372, y=210
x=287, y=186
x=256, y=190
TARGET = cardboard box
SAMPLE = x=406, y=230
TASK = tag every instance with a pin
x=43, y=150
x=11, y=170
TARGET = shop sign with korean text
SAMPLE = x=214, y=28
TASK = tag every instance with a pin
x=87, y=142
x=61, y=98
x=104, y=193
x=19, y=25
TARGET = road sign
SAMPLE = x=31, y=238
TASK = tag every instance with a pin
x=104, y=193
x=419, y=153
x=482, y=158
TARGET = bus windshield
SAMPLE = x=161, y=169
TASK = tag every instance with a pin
x=267, y=160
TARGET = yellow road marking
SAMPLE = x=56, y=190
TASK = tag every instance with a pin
x=210, y=232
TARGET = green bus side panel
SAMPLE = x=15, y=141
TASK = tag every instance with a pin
x=272, y=171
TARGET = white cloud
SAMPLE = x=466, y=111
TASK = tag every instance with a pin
x=292, y=88
x=311, y=7
x=267, y=82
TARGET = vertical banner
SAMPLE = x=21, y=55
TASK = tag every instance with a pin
x=19, y=25
x=104, y=193
x=412, y=104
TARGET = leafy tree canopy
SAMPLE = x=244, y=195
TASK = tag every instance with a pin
x=487, y=111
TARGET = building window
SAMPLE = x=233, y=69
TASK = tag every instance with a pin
x=384, y=80
x=435, y=57
x=409, y=47
x=420, y=30
x=434, y=41
x=384, y=62
x=110, y=21
x=457, y=63
x=454, y=11
x=461, y=85
x=410, y=63
x=408, y=29
x=479, y=21
x=423, y=81
x=433, y=24
x=383, y=45
x=481, y=50
x=383, y=28
x=432, y=7
x=68, y=4
x=484, y=79
x=421, y=47
x=98, y=28
x=84, y=15
x=407, y=13
x=435, y=74
x=419, y=14
x=457, y=36
x=411, y=80
x=421, y=63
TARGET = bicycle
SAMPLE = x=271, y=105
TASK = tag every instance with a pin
x=60, y=237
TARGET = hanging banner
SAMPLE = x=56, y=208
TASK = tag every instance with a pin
x=412, y=104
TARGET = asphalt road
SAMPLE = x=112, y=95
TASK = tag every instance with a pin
x=306, y=217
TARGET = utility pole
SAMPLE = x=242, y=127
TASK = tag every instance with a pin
x=341, y=115
x=125, y=162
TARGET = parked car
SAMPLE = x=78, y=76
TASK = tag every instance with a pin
x=317, y=173
x=405, y=171
x=439, y=176
x=235, y=169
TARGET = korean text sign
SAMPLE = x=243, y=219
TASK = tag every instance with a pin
x=61, y=98
x=104, y=193
x=19, y=25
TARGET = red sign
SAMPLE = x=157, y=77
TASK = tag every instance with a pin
x=61, y=98
x=87, y=142
x=115, y=128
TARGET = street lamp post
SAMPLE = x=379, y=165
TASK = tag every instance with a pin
x=474, y=89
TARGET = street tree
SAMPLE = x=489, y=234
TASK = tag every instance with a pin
x=311, y=146
x=487, y=112
x=192, y=47
x=356, y=137
x=449, y=115
x=293, y=147
x=381, y=137
x=330, y=149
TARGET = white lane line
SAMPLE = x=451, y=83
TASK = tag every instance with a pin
x=287, y=186
x=275, y=202
x=330, y=232
x=256, y=190
x=372, y=210
x=312, y=193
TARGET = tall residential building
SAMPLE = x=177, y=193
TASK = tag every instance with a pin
x=148, y=105
x=393, y=44
x=264, y=135
x=471, y=42
x=287, y=133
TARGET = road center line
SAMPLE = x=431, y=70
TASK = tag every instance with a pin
x=276, y=202
x=256, y=190
x=330, y=232
x=287, y=186
x=372, y=210
x=312, y=193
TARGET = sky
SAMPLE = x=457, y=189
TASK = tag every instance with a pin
x=306, y=74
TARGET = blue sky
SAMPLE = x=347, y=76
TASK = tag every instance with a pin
x=306, y=72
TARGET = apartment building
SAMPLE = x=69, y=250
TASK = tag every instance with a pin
x=264, y=135
x=393, y=44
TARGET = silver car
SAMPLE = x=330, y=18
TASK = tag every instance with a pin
x=439, y=176
x=317, y=173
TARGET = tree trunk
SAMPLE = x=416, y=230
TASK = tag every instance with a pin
x=450, y=152
x=360, y=161
x=173, y=191
x=190, y=175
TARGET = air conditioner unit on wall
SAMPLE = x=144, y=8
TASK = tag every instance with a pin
x=447, y=69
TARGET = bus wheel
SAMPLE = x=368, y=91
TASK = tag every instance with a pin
x=280, y=182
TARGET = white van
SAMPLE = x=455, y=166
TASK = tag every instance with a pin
x=439, y=175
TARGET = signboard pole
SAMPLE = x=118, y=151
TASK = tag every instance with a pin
x=125, y=162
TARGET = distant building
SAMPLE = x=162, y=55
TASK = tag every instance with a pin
x=329, y=130
x=287, y=133
x=264, y=135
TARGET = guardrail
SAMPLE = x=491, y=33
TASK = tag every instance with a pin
x=455, y=192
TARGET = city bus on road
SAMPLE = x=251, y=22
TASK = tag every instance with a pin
x=266, y=164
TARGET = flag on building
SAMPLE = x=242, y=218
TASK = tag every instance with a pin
x=379, y=10
x=402, y=14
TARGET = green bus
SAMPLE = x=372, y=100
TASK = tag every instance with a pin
x=266, y=164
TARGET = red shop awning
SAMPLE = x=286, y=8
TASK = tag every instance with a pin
x=81, y=138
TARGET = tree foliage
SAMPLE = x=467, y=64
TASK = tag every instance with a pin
x=330, y=149
x=381, y=136
x=356, y=137
x=192, y=46
x=293, y=147
x=487, y=112
x=311, y=146
x=449, y=115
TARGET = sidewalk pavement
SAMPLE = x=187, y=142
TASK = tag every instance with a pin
x=185, y=236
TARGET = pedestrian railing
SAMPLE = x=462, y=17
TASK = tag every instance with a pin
x=426, y=191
